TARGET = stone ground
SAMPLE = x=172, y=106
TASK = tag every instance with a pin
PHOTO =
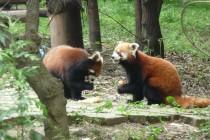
x=106, y=115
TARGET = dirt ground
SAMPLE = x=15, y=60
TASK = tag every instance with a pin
x=195, y=75
x=135, y=131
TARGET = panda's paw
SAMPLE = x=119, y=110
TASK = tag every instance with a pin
x=120, y=90
x=86, y=79
x=121, y=83
x=89, y=86
x=91, y=72
x=78, y=98
x=90, y=79
x=82, y=98
x=131, y=101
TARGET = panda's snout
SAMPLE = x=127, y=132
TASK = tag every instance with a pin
x=115, y=56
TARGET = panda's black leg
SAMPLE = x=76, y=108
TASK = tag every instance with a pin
x=153, y=95
x=137, y=94
x=133, y=89
x=126, y=88
x=82, y=86
x=67, y=91
x=76, y=94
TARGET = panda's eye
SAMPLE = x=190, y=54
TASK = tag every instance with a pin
x=119, y=54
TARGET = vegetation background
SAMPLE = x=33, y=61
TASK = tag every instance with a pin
x=196, y=19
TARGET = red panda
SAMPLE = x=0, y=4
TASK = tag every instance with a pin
x=74, y=66
x=151, y=77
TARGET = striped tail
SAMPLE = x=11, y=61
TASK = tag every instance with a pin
x=190, y=101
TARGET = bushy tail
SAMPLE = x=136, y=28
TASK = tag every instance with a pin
x=190, y=101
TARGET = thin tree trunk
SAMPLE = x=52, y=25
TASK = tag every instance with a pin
x=138, y=13
x=94, y=25
x=151, y=27
x=66, y=27
x=32, y=20
x=50, y=93
x=48, y=89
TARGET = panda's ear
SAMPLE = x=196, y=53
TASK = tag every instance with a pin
x=96, y=57
x=134, y=47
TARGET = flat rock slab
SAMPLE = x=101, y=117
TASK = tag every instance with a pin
x=111, y=112
x=146, y=114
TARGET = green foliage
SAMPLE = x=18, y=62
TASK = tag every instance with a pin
x=123, y=11
x=136, y=135
x=4, y=34
x=150, y=132
x=42, y=107
x=77, y=118
x=16, y=77
x=107, y=105
x=42, y=3
x=154, y=132
x=138, y=104
x=171, y=100
x=35, y=135
x=205, y=128
x=8, y=61
x=123, y=109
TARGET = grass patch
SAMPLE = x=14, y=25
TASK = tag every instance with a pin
x=123, y=11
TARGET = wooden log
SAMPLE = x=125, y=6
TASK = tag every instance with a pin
x=21, y=14
x=13, y=1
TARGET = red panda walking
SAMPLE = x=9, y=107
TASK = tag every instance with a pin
x=151, y=77
x=74, y=67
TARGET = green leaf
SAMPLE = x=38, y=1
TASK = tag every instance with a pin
x=34, y=135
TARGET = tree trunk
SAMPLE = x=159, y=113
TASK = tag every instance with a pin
x=66, y=27
x=151, y=32
x=48, y=89
x=94, y=25
x=138, y=13
x=32, y=20
x=50, y=93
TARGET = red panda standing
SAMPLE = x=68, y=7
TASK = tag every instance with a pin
x=151, y=77
x=74, y=67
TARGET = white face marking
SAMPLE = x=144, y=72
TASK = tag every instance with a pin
x=97, y=57
x=135, y=48
x=124, y=56
x=100, y=59
x=115, y=56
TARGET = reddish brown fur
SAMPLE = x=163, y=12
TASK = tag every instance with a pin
x=162, y=75
x=60, y=58
x=97, y=67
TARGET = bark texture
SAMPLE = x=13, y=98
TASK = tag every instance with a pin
x=150, y=26
x=50, y=93
x=32, y=20
x=60, y=6
x=138, y=13
x=48, y=89
x=94, y=25
x=66, y=27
